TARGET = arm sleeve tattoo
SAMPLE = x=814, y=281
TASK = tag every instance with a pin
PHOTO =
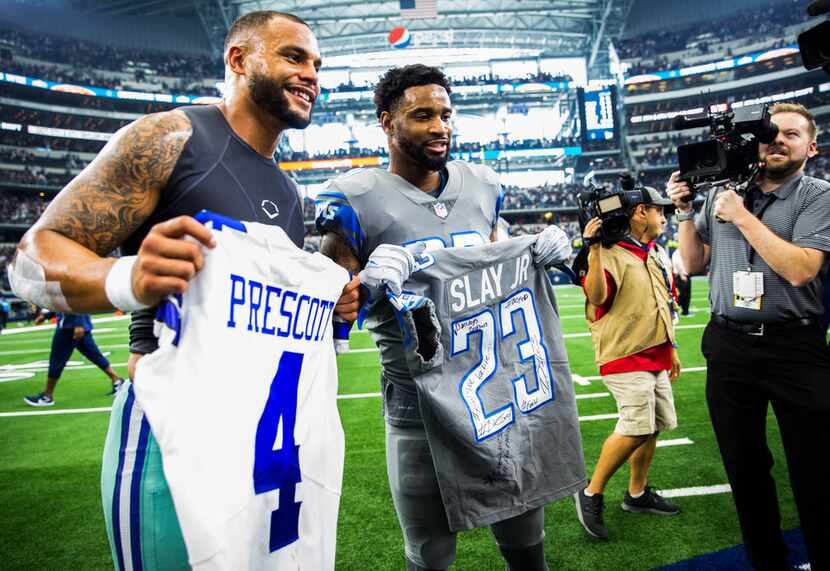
x=109, y=199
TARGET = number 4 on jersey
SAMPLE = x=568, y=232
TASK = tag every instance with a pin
x=276, y=456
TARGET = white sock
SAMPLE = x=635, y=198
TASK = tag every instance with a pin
x=589, y=494
x=635, y=496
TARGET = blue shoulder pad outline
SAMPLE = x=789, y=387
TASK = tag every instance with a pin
x=499, y=203
x=333, y=213
x=219, y=221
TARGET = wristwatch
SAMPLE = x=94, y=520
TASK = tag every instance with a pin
x=681, y=216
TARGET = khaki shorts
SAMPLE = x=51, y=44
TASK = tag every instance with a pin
x=644, y=400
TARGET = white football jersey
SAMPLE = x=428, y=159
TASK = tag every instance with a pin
x=241, y=397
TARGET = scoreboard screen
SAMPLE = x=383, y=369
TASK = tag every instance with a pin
x=598, y=114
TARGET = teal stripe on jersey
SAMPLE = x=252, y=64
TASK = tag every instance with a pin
x=141, y=521
x=109, y=467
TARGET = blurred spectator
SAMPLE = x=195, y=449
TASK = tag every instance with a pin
x=548, y=196
x=89, y=55
x=89, y=62
x=19, y=208
x=759, y=23
x=640, y=116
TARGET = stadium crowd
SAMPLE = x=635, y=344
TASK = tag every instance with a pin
x=475, y=147
x=24, y=209
x=788, y=61
x=16, y=208
x=753, y=93
x=25, y=116
x=760, y=23
x=67, y=60
x=71, y=161
x=91, y=55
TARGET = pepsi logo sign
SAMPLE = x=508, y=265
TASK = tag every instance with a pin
x=400, y=37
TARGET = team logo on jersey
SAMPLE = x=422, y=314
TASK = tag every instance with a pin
x=270, y=209
x=440, y=209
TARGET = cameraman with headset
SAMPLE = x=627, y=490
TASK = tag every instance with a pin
x=768, y=256
x=631, y=312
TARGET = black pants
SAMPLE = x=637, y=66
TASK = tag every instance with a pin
x=790, y=369
x=684, y=292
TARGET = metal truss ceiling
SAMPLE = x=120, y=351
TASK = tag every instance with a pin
x=553, y=27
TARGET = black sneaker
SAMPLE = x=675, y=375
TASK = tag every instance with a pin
x=650, y=502
x=589, y=511
x=39, y=399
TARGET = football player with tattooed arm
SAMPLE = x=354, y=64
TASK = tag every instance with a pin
x=767, y=254
x=140, y=194
x=422, y=200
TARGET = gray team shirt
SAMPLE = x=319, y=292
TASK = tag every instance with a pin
x=485, y=347
x=799, y=213
x=369, y=207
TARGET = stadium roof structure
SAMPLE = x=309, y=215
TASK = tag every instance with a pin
x=544, y=28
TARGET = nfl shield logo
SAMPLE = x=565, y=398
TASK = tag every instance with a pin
x=440, y=209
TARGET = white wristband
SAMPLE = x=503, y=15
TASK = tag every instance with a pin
x=119, y=286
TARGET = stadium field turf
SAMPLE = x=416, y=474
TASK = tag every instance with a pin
x=50, y=464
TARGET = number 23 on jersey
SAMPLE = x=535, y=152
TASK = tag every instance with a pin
x=492, y=329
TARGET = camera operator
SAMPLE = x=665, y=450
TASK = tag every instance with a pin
x=631, y=312
x=768, y=264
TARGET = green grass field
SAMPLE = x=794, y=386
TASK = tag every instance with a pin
x=50, y=464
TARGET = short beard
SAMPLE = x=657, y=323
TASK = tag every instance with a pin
x=270, y=97
x=783, y=171
x=419, y=155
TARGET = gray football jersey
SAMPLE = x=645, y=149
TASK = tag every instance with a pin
x=485, y=346
x=369, y=207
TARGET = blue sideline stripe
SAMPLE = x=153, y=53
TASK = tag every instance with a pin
x=734, y=558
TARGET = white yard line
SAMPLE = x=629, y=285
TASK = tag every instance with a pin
x=40, y=368
x=697, y=491
x=366, y=350
x=346, y=396
x=579, y=379
x=674, y=442
x=598, y=417
x=49, y=349
x=358, y=396
x=16, y=330
x=47, y=412
x=592, y=395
